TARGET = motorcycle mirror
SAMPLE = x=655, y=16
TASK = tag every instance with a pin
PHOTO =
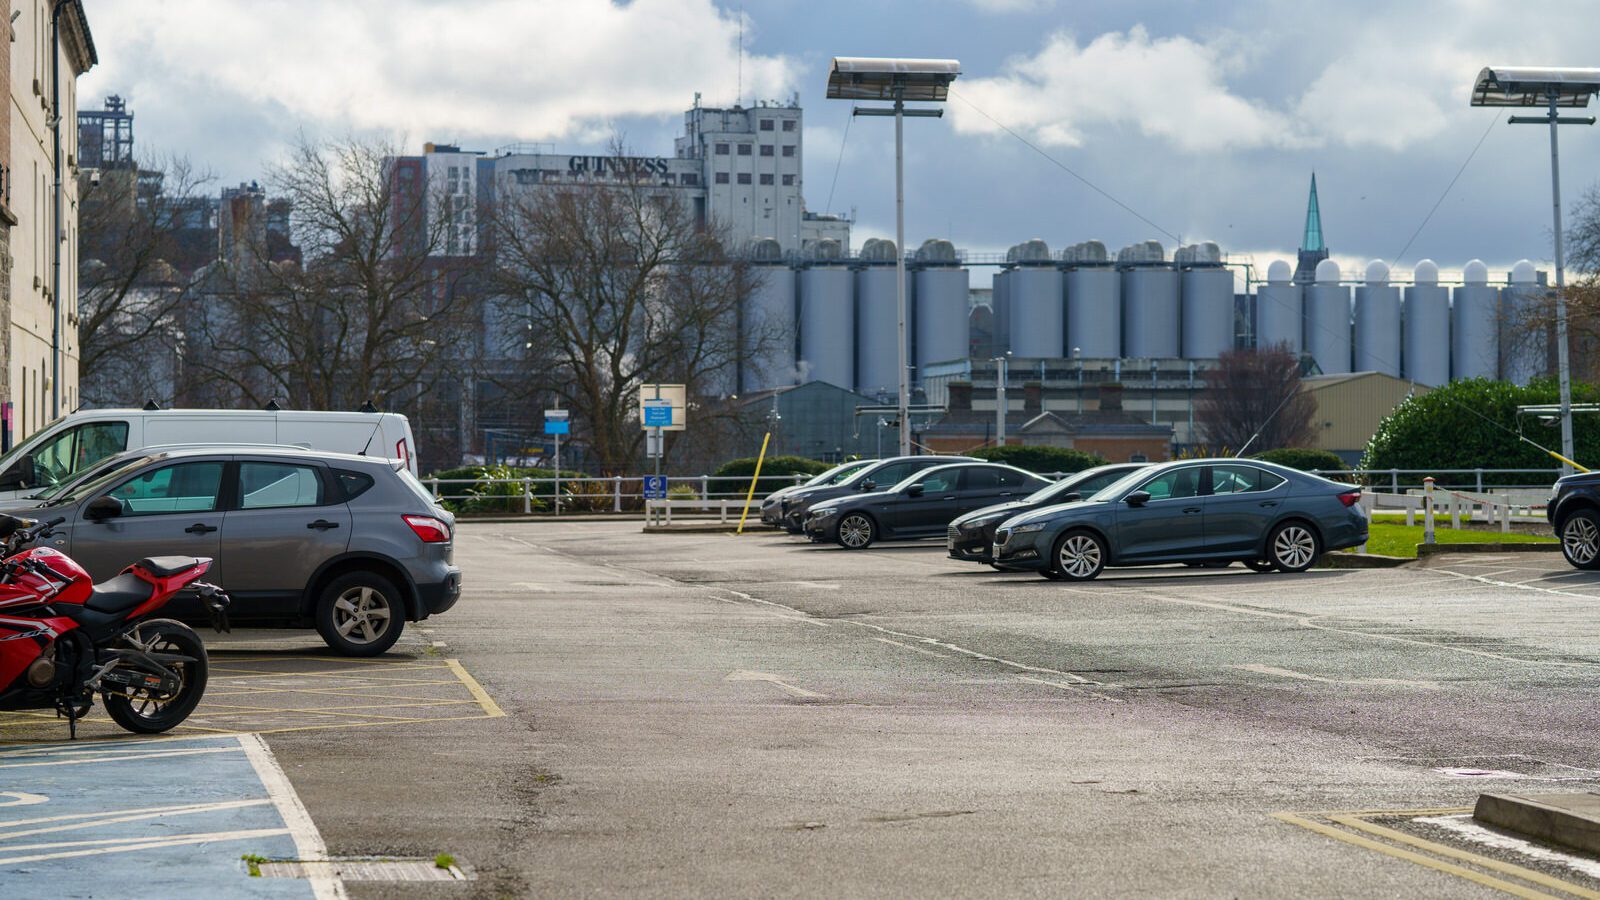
x=106, y=507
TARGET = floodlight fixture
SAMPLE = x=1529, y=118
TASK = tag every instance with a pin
x=1552, y=88
x=897, y=80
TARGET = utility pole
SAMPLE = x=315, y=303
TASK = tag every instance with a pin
x=1000, y=402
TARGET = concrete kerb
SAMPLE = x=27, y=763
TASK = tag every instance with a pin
x=1361, y=561
x=1487, y=547
x=1571, y=820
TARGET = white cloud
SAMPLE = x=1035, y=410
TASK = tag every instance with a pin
x=1171, y=88
x=538, y=69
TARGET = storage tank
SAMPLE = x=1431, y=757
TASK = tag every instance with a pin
x=1150, y=304
x=827, y=319
x=1094, y=302
x=1207, y=303
x=1328, y=320
x=1279, y=310
x=1377, y=334
x=767, y=333
x=943, y=312
x=1523, y=341
x=1475, y=325
x=1000, y=302
x=1035, y=318
x=1426, y=357
x=877, y=320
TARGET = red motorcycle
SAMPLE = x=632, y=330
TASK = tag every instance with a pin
x=63, y=638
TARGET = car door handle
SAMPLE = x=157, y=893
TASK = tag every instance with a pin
x=951, y=497
x=1268, y=504
x=322, y=524
x=200, y=528
x=1191, y=509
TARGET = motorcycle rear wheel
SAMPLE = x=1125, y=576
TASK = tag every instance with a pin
x=148, y=712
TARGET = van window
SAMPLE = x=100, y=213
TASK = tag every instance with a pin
x=185, y=487
x=276, y=485
x=76, y=449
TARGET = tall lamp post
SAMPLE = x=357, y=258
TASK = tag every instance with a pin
x=1551, y=88
x=925, y=80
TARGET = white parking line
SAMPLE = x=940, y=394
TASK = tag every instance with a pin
x=1464, y=827
x=325, y=884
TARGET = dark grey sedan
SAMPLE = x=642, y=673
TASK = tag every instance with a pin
x=971, y=537
x=877, y=475
x=920, y=506
x=1209, y=510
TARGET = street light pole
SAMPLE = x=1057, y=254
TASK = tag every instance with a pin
x=1563, y=362
x=1000, y=402
x=904, y=402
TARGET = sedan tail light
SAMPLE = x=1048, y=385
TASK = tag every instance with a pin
x=429, y=529
x=1350, y=498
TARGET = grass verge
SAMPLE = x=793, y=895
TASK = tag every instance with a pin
x=1402, y=540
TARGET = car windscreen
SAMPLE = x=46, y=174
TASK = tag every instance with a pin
x=94, y=486
x=49, y=494
x=1056, y=488
x=943, y=474
x=1124, y=484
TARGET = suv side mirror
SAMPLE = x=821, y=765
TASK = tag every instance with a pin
x=914, y=490
x=106, y=507
x=19, y=476
x=1070, y=497
x=1137, y=498
x=867, y=485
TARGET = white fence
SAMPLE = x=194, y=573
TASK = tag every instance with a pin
x=596, y=494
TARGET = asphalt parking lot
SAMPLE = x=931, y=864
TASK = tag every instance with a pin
x=673, y=714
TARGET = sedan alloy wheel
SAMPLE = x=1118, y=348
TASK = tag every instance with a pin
x=1079, y=557
x=1580, y=540
x=1293, y=547
x=855, y=532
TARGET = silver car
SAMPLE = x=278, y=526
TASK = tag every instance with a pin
x=352, y=545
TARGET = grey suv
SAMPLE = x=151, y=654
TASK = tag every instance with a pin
x=352, y=545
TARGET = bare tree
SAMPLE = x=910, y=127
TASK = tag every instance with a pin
x=1253, y=391
x=1532, y=327
x=618, y=286
x=142, y=231
x=377, y=311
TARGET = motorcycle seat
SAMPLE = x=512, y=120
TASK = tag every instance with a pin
x=119, y=594
x=167, y=566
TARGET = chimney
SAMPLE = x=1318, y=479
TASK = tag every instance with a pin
x=1111, y=396
x=1033, y=398
x=960, y=395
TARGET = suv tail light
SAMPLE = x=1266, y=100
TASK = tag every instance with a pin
x=429, y=529
x=1350, y=498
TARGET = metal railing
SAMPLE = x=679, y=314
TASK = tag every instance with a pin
x=1398, y=481
x=615, y=494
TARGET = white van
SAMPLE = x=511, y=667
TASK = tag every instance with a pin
x=73, y=443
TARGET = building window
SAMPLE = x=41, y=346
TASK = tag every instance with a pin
x=788, y=181
x=766, y=149
x=722, y=178
x=766, y=124
x=744, y=149
x=788, y=124
x=788, y=150
x=744, y=177
x=722, y=149
x=766, y=179
x=689, y=178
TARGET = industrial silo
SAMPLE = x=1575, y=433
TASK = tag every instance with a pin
x=1279, y=305
x=767, y=332
x=1523, y=332
x=1328, y=320
x=1426, y=359
x=1207, y=303
x=1475, y=325
x=1033, y=294
x=877, y=320
x=1150, y=305
x=827, y=319
x=1094, y=302
x=943, y=312
x=1377, y=333
x=1000, y=303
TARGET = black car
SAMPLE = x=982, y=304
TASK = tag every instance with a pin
x=772, y=504
x=880, y=474
x=1574, y=511
x=971, y=537
x=920, y=506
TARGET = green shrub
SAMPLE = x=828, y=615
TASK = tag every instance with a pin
x=1304, y=458
x=682, y=492
x=1044, y=460
x=1473, y=424
x=487, y=496
x=774, y=465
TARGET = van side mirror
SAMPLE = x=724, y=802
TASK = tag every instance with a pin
x=1137, y=498
x=914, y=490
x=101, y=508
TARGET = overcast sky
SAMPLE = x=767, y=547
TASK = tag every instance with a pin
x=1205, y=118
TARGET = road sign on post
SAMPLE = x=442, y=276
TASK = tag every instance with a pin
x=557, y=423
x=655, y=487
x=657, y=413
x=654, y=443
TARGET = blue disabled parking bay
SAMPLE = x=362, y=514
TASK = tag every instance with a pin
x=150, y=818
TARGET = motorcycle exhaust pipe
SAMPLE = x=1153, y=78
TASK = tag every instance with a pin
x=41, y=673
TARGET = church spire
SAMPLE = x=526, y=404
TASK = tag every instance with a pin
x=1312, y=242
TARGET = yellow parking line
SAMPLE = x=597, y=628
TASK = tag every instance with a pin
x=347, y=689
x=328, y=673
x=237, y=656
x=331, y=726
x=421, y=703
x=478, y=693
x=1538, y=878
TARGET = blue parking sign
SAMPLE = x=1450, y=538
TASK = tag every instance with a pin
x=655, y=487
x=657, y=414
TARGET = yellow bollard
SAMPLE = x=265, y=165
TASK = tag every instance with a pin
x=750, y=495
